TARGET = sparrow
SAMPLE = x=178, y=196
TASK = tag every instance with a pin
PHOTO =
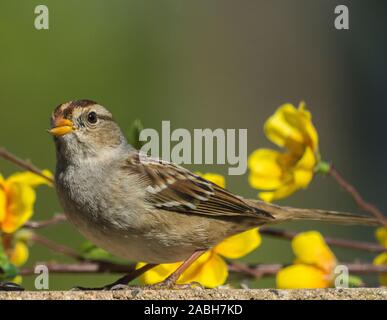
x=144, y=208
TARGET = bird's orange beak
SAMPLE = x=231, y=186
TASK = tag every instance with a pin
x=61, y=127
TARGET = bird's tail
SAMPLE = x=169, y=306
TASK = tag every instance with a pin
x=281, y=214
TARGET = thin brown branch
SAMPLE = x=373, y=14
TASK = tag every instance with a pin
x=256, y=271
x=264, y=270
x=349, y=244
x=360, y=202
x=60, y=217
x=58, y=248
x=82, y=267
x=27, y=165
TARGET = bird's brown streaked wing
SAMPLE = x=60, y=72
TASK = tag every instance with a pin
x=171, y=187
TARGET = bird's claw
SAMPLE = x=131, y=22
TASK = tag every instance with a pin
x=170, y=285
x=10, y=286
x=110, y=287
x=116, y=287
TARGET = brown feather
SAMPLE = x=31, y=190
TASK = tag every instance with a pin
x=171, y=187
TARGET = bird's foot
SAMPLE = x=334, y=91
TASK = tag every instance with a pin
x=79, y=288
x=171, y=285
x=164, y=285
x=118, y=287
x=10, y=286
x=109, y=287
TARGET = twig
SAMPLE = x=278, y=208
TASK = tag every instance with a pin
x=360, y=202
x=60, y=217
x=278, y=233
x=256, y=271
x=57, y=247
x=83, y=267
x=350, y=244
x=23, y=164
x=263, y=270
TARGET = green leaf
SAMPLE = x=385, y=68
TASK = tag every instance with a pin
x=7, y=269
x=355, y=282
x=322, y=167
x=133, y=134
x=92, y=252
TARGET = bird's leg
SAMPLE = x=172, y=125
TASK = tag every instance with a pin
x=170, y=282
x=122, y=283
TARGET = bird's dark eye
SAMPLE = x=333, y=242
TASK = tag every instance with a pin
x=92, y=117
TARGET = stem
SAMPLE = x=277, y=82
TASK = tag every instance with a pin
x=360, y=202
x=264, y=270
x=23, y=164
x=60, y=217
x=350, y=244
x=84, y=267
x=57, y=247
x=256, y=271
x=272, y=232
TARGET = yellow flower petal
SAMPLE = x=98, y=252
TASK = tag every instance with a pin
x=30, y=178
x=214, y=178
x=265, y=170
x=157, y=274
x=282, y=192
x=266, y=196
x=302, y=121
x=278, y=129
x=310, y=248
x=309, y=129
x=381, y=236
x=21, y=199
x=300, y=276
x=380, y=260
x=308, y=160
x=209, y=270
x=262, y=160
x=292, y=128
x=3, y=204
x=19, y=255
x=302, y=178
x=17, y=280
x=297, y=177
x=239, y=245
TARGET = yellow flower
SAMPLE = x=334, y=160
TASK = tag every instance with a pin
x=381, y=259
x=19, y=254
x=381, y=236
x=313, y=266
x=16, y=249
x=213, y=177
x=210, y=270
x=17, y=198
x=283, y=173
x=292, y=128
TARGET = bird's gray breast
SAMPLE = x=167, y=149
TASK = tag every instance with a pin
x=90, y=194
x=105, y=208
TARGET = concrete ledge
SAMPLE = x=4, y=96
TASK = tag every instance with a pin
x=198, y=294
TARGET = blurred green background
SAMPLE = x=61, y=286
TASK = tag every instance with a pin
x=199, y=64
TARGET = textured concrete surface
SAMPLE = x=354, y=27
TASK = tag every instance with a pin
x=195, y=294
